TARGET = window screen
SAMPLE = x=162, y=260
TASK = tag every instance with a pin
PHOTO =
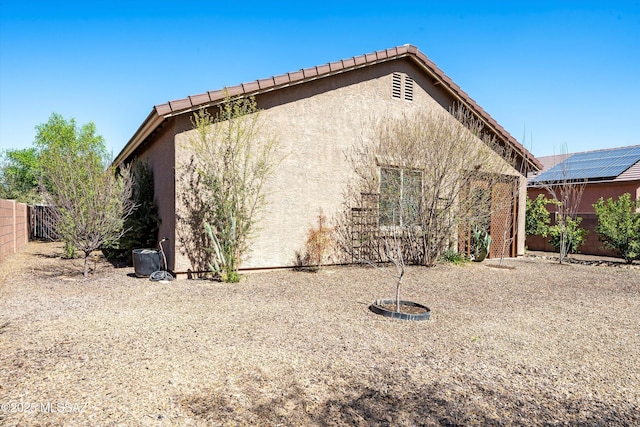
x=400, y=195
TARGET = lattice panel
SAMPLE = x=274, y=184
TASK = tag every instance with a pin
x=503, y=204
x=364, y=228
x=502, y=224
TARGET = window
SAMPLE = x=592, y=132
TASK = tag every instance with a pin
x=400, y=195
x=400, y=91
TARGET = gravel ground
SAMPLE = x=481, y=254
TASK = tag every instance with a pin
x=535, y=344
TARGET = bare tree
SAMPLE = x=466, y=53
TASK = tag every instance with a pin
x=419, y=180
x=423, y=175
x=566, y=193
x=90, y=206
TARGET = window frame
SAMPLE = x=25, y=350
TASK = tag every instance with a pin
x=388, y=219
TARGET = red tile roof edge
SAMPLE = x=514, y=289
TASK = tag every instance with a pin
x=180, y=106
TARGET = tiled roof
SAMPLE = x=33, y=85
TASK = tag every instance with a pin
x=614, y=164
x=190, y=103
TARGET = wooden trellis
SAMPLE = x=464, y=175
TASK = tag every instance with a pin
x=504, y=198
x=365, y=228
x=502, y=223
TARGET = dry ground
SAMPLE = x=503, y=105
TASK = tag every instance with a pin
x=539, y=344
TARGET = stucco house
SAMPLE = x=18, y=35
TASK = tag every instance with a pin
x=320, y=111
x=607, y=173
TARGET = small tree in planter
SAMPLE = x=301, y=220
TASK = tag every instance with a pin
x=394, y=254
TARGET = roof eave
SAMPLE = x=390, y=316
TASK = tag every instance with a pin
x=461, y=96
x=192, y=103
x=256, y=87
x=147, y=127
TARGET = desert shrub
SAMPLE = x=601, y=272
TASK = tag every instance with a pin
x=619, y=226
x=317, y=246
x=223, y=261
x=234, y=155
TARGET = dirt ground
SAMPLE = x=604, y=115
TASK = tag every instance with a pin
x=535, y=344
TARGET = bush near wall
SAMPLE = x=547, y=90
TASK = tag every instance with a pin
x=591, y=246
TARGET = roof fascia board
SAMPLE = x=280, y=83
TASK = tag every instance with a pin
x=437, y=75
x=151, y=123
x=255, y=92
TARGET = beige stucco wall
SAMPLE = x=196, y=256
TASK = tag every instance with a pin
x=522, y=209
x=317, y=123
x=161, y=157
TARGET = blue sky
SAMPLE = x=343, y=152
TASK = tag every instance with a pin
x=558, y=75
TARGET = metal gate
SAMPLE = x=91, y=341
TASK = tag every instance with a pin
x=43, y=222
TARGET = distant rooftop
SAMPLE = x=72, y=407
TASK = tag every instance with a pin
x=599, y=165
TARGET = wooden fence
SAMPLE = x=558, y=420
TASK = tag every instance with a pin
x=15, y=226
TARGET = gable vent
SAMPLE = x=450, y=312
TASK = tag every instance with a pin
x=396, y=89
x=402, y=86
x=408, y=88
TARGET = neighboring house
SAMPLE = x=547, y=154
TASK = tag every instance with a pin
x=606, y=173
x=320, y=113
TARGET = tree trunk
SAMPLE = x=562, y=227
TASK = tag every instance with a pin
x=398, y=284
x=86, y=264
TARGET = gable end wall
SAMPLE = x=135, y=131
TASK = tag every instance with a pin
x=317, y=121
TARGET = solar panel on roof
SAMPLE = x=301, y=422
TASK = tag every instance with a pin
x=601, y=164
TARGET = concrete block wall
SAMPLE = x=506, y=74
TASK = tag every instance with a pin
x=14, y=227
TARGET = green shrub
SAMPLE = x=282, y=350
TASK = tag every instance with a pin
x=619, y=226
x=575, y=234
x=453, y=257
x=142, y=224
x=537, y=219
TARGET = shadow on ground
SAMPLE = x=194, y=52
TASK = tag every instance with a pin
x=432, y=404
